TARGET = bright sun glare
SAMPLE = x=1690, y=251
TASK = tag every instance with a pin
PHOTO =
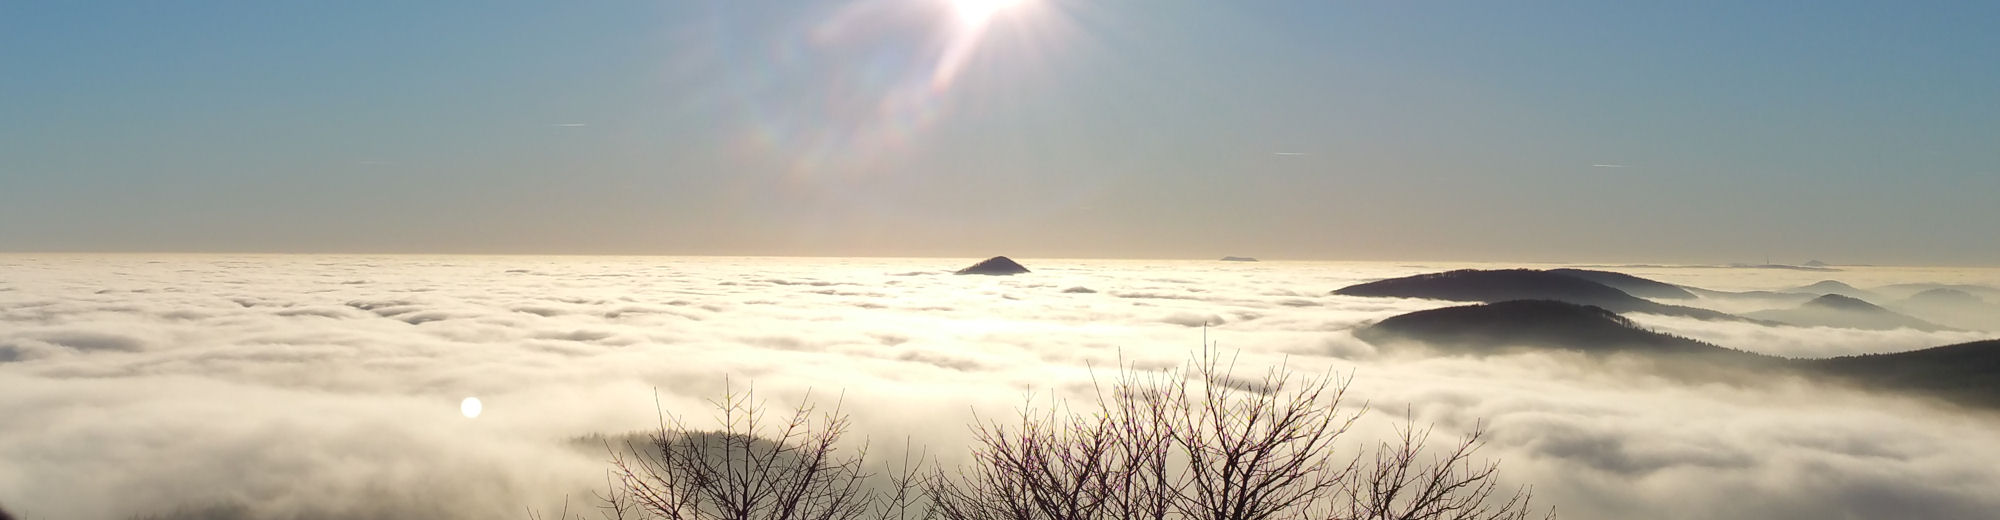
x=978, y=12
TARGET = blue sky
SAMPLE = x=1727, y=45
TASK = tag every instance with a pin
x=1704, y=132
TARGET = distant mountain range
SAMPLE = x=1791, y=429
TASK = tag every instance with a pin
x=1909, y=290
x=1572, y=286
x=1969, y=307
x=1821, y=267
x=1828, y=303
x=1966, y=373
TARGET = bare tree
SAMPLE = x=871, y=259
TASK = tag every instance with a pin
x=1191, y=444
x=1257, y=450
x=755, y=467
x=1203, y=445
x=1449, y=487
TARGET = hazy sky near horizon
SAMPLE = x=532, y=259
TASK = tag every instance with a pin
x=1707, y=132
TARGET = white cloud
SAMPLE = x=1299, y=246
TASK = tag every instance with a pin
x=278, y=383
x=1804, y=342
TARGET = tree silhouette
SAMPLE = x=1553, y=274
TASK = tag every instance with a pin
x=1194, y=443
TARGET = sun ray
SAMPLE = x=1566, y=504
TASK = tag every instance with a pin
x=981, y=12
x=974, y=18
x=883, y=74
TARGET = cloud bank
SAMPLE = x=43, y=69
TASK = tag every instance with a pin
x=302, y=386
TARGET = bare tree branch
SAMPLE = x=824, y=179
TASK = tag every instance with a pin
x=1197, y=443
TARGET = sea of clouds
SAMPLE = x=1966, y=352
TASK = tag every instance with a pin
x=329, y=386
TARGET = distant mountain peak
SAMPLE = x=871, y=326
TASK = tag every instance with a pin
x=1829, y=286
x=1945, y=296
x=1836, y=287
x=1473, y=285
x=1845, y=303
x=1530, y=324
x=1632, y=285
x=998, y=265
x=1966, y=373
x=1837, y=310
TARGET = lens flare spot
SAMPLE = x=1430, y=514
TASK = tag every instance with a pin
x=470, y=407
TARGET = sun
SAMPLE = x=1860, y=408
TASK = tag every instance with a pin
x=980, y=12
x=975, y=18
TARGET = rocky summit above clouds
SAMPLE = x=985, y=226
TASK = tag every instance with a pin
x=998, y=265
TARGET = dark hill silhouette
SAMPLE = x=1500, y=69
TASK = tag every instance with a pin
x=1833, y=310
x=998, y=265
x=1835, y=287
x=1472, y=285
x=1531, y=324
x=1968, y=373
x=1911, y=289
x=1238, y=259
x=1765, y=297
x=1953, y=307
x=1781, y=266
x=1844, y=303
x=1944, y=296
x=1633, y=285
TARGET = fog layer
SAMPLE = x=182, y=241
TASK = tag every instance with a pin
x=300, y=386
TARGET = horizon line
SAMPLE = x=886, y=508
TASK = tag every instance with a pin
x=1574, y=263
